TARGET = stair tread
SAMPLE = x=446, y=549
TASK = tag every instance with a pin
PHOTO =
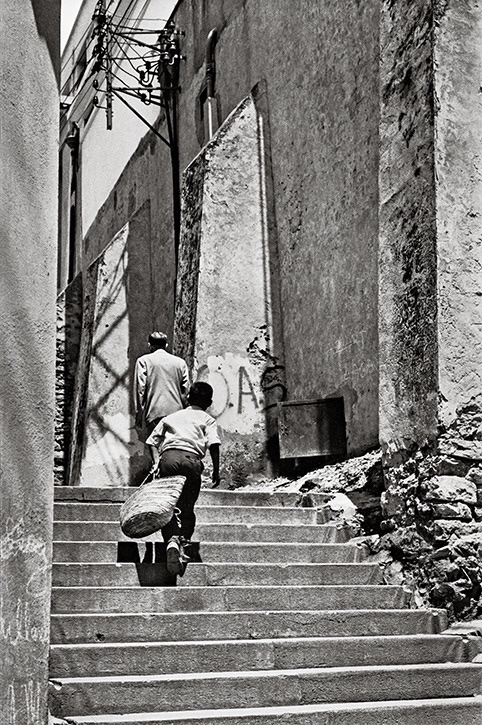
x=285, y=587
x=251, y=612
x=361, y=707
x=304, y=673
x=280, y=532
x=118, y=504
x=266, y=674
x=205, y=542
x=247, y=564
x=265, y=640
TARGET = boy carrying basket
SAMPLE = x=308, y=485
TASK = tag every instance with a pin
x=179, y=443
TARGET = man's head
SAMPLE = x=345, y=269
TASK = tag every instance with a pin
x=157, y=340
x=200, y=394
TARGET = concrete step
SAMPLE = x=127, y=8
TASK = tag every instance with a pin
x=74, y=511
x=97, y=695
x=278, y=574
x=277, y=533
x=179, y=626
x=207, y=497
x=448, y=711
x=111, y=551
x=224, y=598
x=150, y=658
x=201, y=575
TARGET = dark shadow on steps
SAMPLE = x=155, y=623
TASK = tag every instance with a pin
x=149, y=558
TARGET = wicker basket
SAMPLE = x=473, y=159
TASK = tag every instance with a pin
x=151, y=506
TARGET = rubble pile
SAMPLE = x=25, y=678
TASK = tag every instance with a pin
x=432, y=519
x=347, y=492
x=418, y=515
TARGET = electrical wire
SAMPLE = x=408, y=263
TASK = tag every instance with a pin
x=67, y=60
x=79, y=42
x=149, y=20
x=121, y=80
x=83, y=78
x=88, y=29
x=81, y=85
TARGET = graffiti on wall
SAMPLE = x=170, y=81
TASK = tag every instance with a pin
x=241, y=391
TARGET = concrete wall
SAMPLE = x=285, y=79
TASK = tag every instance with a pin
x=224, y=313
x=321, y=163
x=117, y=314
x=408, y=255
x=324, y=155
x=458, y=165
x=430, y=210
x=111, y=453
x=140, y=208
x=104, y=154
x=28, y=193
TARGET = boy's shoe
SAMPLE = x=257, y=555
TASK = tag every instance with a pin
x=174, y=557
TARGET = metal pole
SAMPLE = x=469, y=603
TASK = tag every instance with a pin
x=210, y=80
x=108, y=78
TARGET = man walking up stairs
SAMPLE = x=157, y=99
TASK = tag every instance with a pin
x=279, y=621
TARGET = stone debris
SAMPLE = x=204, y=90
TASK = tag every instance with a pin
x=419, y=515
x=432, y=522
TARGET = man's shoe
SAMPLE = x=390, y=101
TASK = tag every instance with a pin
x=174, y=560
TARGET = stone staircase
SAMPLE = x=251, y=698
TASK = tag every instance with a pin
x=279, y=620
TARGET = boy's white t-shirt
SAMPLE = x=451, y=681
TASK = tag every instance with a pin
x=191, y=429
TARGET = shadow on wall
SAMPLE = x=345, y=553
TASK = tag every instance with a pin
x=116, y=320
x=69, y=322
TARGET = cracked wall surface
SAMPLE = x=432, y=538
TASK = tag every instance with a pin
x=324, y=164
x=224, y=297
x=408, y=254
x=458, y=167
x=320, y=163
x=28, y=193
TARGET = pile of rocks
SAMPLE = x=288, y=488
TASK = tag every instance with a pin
x=419, y=515
x=432, y=519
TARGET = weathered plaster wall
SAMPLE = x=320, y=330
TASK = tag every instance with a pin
x=324, y=151
x=225, y=298
x=28, y=194
x=146, y=180
x=408, y=257
x=458, y=64
x=141, y=202
x=322, y=162
x=117, y=309
x=189, y=256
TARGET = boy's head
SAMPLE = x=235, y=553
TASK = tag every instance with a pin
x=200, y=394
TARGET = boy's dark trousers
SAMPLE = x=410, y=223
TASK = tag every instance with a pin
x=176, y=462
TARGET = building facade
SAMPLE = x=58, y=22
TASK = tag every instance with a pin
x=317, y=257
x=29, y=64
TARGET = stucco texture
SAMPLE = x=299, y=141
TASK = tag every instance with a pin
x=458, y=63
x=321, y=167
x=408, y=255
x=146, y=180
x=231, y=294
x=324, y=156
x=117, y=309
x=28, y=194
